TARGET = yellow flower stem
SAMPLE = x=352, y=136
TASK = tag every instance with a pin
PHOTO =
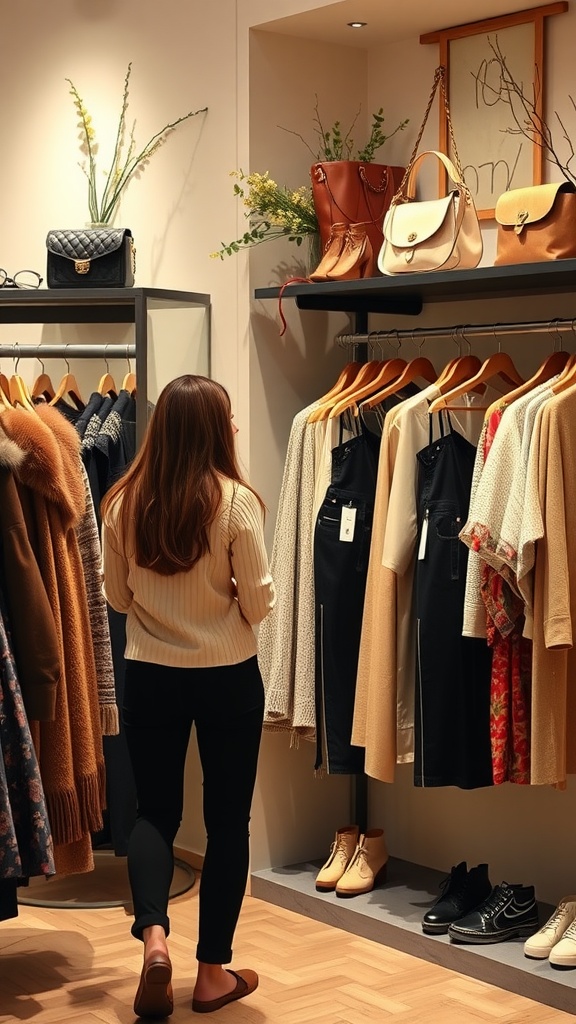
x=92, y=198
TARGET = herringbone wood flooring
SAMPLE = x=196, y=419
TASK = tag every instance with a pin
x=82, y=966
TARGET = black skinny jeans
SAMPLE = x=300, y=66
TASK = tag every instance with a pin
x=160, y=705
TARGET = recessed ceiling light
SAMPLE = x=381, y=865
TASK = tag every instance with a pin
x=357, y=24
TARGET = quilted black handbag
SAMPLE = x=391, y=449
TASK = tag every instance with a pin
x=90, y=258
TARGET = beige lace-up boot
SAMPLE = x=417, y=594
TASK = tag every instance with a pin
x=341, y=852
x=367, y=867
x=540, y=945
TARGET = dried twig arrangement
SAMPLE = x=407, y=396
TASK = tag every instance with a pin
x=527, y=121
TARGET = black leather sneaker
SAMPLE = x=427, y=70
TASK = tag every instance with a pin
x=461, y=892
x=508, y=911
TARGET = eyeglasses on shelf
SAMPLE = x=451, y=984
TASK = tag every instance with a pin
x=21, y=279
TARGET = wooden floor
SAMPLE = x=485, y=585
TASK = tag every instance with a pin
x=82, y=966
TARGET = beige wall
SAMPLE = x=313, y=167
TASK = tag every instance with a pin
x=181, y=206
x=197, y=54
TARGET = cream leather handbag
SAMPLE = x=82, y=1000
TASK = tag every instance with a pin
x=434, y=234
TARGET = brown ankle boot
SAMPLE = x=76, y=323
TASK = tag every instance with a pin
x=332, y=252
x=357, y=257
x=341, y=853
x=367, y=867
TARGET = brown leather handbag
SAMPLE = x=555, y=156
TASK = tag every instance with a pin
x=536, y=223
x=353, y=192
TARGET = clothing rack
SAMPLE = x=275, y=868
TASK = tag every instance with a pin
x=459, y=332
x=17, y=351
x=363, y=339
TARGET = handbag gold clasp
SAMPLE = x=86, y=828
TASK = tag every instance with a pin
x=81, y=266
x=521, y=218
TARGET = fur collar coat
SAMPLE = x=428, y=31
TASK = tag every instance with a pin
x=32, y=627
x=52, y=494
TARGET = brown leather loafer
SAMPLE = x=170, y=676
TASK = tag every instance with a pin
x=246, y=982
x=154, y=997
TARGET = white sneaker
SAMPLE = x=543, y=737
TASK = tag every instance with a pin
x=540, y=945
x=564, y=952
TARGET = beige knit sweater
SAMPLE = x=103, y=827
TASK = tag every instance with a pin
x=198, y=618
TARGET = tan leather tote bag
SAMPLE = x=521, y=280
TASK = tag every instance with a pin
x=536, y=223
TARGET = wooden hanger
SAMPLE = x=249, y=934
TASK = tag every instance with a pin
x=499, y=364
x=418, y=367
x=68, y=388
x=5, y=390
x=388, y=372
x=467, y=374
x=346, y=378
x=129, y=383
x=567, y=377
x=107, y=386
x=19, y=394
x=553, y=364
x=366, y=372
x=461, y=368
x=43, y=387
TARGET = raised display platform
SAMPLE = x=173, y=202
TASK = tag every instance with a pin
x=392, y=914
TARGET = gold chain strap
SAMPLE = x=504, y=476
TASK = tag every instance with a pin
x=439, y=80
x=455, y=154
x=374, y=188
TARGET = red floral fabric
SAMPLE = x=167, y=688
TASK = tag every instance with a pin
x=511, y=667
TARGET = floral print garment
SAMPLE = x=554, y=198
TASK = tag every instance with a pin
x=511, y=667
x=25, y=838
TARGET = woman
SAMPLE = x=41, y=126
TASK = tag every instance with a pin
x=184, y=558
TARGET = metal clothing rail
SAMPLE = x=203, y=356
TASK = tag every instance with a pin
x=16, y=350
x=460, y=332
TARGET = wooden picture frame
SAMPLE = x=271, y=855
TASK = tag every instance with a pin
x=493, y=160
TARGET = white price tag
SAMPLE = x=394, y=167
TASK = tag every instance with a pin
x=347, y=523
x=423, y=538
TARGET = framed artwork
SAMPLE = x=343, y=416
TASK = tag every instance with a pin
x=494, y=156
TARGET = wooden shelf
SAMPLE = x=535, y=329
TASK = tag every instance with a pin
x=408, y=294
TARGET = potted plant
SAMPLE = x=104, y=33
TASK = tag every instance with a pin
x=307, y=212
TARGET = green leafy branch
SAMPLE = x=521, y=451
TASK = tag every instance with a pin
x=335, y=143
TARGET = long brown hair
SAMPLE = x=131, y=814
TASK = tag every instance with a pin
x=171, y=493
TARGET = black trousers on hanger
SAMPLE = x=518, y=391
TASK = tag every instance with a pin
x=340, y=570
x=452, y=706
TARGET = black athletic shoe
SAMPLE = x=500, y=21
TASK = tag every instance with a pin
x=508, y=911
x=461, y=892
